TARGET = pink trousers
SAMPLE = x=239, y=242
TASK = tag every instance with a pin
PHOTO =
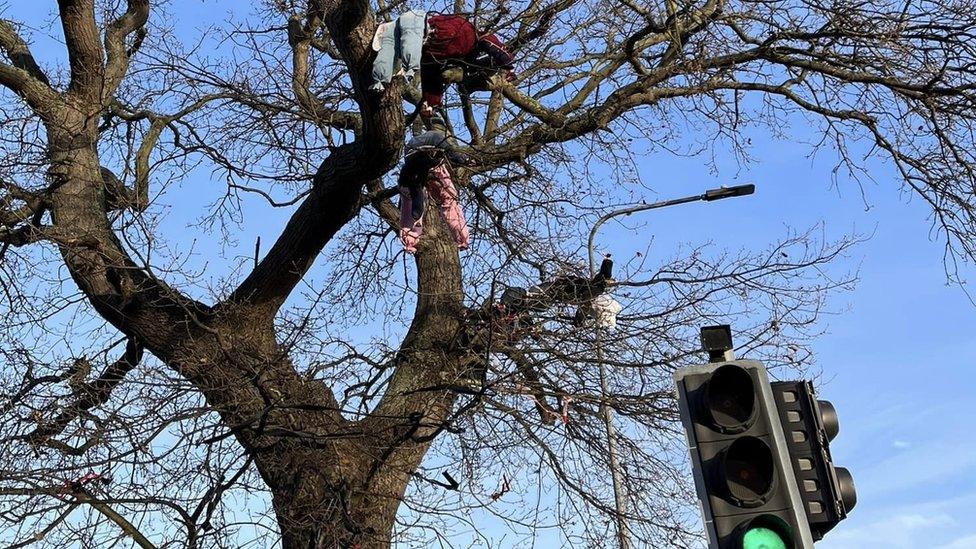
x=441, y=189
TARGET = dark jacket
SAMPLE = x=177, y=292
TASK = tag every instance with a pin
x=571, y=289
x=425, y=152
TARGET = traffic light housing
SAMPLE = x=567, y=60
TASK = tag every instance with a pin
x=740, y=456
x=809, y=425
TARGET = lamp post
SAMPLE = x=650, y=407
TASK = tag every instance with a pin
x=619, y=494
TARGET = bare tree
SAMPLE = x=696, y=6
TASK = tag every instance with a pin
x=206, y=390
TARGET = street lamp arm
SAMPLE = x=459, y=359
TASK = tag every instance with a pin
x=631, y=210
x=708, y=196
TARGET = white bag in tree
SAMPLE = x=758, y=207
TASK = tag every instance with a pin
x=604, y=310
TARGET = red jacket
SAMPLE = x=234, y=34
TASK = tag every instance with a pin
x=454, y=38
x=449, y=36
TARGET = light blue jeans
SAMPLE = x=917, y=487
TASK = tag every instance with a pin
x=401, y=42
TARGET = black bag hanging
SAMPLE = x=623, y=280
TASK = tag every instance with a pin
x=513, y=298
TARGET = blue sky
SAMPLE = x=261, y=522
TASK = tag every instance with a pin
x=896, y=358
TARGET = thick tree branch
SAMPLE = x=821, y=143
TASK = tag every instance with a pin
x=127, y=527
x=23, y=80
x=301, y=35
x=85, y=53
x=338, y=183
x=16, y=49
x=132, y=21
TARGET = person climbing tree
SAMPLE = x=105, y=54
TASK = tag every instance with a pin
x=602, y=308
x=425, y=169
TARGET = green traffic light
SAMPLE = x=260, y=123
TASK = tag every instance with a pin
x=762, y=538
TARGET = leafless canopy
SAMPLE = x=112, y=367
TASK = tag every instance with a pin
x=311, y=393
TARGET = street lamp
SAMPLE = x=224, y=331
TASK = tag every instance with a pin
x=708, y=196
x=619, y=496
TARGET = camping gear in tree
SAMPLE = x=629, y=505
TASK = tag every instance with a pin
x=605, y=274
x=78, y=484
x=571, y=289
x=509, y=324
x=513, y=298
x=449, y=36
x=399, y=42
x=488, y=59
x=428, y=150
x=411, y=224
x=495, y=326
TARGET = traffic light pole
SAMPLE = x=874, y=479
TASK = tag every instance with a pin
x=619, y=490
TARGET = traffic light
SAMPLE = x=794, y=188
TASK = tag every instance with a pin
x=741, y=460
x=809, y=425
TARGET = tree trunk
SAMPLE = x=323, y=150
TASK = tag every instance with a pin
x=321, y=515
x=335, y=482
